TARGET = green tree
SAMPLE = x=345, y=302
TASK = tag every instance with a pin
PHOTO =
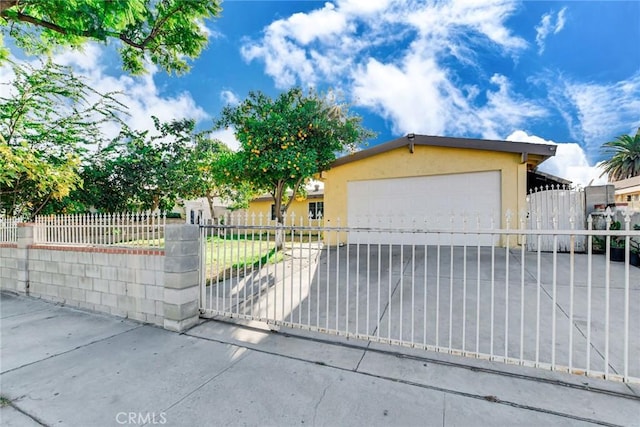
x=166, y=31
x=139, y=170
x=47, y=120
x=203, y=175
x=286, y=140
x=625, y=157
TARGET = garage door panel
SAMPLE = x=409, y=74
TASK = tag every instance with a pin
x=442, y=201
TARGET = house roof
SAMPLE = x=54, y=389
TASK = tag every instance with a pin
x=540, y=152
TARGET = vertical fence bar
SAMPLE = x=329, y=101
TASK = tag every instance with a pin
x=261, y=257
x=348, y=287
x=571, y=289
x=322, y=243
x=464, y=286
x=401, y=272
x=451, y=283
x=367, y=318
x=214, y=266
x=225, y=261
x=338, y=244
x=607, y=285
x=413, y=285
x=357, y=314
x=390, y=292
x=493, y=286
x=522, y=270
x=327, y=284
x=378, y=314
x=506, y=287
x=554, y=292
x=438, y=291
x=300, y=266
x=538, y=286
x=589, y=278
x=311, y=258
x=478, y=287
x=625, y=374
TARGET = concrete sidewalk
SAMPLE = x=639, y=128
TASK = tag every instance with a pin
x=61, y=366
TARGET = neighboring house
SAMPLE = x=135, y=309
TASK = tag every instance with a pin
x=198, y=212
x=418, y=178
x=628, y=191
x=311, y=206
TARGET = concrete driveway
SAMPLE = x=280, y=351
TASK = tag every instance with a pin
x=551, y=311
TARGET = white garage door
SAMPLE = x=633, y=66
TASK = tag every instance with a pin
x=431, y=201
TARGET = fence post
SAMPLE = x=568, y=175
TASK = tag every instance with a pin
x=181, y=287
x=25, y=240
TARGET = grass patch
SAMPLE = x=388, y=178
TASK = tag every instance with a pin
x=4, y=402
x=232, y=257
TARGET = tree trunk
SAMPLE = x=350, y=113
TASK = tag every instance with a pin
x=210, y=201
x=279, y=234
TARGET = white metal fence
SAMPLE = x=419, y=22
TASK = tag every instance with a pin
x=9, y=229
x=133, y=229
x=572, y=312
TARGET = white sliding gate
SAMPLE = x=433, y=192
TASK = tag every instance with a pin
x=562, y=311
x=556, y=208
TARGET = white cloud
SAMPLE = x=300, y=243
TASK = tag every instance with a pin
x=140, y=94
x=229, y=97
x=547, y=26
x=605, y=110
x=228, y=137
x=570, y=161
x=413, y=88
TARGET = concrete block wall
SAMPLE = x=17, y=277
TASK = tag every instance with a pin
x=153, y=286
x=122, y=282
x=9, y=267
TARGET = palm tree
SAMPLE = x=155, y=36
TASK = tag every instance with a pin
x=625, y=157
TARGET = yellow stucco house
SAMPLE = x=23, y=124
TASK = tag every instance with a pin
x=301, y=211
x=420, y=180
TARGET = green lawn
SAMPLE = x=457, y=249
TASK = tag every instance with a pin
x=226, y=257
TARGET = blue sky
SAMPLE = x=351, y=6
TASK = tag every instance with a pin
x=563, y=72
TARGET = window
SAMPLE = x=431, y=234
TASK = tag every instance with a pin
x=273, y=211
x=629, y=198
x=316, y=210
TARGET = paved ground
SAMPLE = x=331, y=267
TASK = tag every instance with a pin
x=63, y=367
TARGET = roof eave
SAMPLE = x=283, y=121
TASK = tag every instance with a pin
x=541, y=152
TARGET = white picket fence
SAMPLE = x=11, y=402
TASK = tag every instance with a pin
x=132, y=229
x=569, y=312
x=9, y=229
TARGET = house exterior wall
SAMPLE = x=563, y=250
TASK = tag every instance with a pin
x=426, y=161
x=299, y=209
